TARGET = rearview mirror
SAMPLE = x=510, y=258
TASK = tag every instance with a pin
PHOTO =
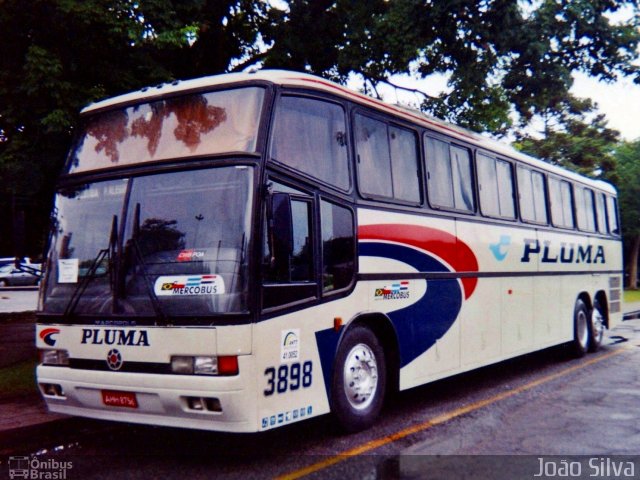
x=282, y=223
x=280, y=231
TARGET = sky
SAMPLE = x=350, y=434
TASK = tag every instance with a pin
x=619, y=101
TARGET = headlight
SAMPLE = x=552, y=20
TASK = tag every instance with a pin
x=54, y=357
x=204, y=365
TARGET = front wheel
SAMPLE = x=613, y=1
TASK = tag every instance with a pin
x=359, y=380
x=3, y=283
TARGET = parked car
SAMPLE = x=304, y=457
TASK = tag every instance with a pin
x=10, y=275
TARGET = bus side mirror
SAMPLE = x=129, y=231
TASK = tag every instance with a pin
x=281, y=225
x=280, y=236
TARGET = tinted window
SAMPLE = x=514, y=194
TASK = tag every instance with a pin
x=374, y=158
x=449, y=176
x=387, y=160
x=183, y=126
x=561, y=206
x=310, y=136
x=585, y=209
x=601, y=213
x=533, y=203
x=496, y=187
x=338, y=246
x=404, y=161
x=612, y=215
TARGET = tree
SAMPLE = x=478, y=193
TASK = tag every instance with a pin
x=60, y=55
x=574, y=137
x=628, y=174
x=502, y=56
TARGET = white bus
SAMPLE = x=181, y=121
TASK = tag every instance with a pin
x=245, y=251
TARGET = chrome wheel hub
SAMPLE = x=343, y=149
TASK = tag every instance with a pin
x=360, y=376
x=597, y=320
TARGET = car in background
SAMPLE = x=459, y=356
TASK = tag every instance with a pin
x=12, y=276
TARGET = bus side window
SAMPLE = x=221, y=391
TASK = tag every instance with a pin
x=612, y=215
x=310, y=135
x=585, y=209
x=387, y=160
x=601, y=213
x=533, y=201
x=338, y=246
x=449, y=180
x=496, y=187
x=292, y=279
x=561, y=207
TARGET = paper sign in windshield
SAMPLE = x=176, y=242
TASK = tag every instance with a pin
x=68, y=270
x=188, y=285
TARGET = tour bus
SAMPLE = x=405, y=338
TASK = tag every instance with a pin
x=245, y=251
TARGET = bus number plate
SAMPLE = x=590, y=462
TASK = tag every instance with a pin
x=119, y=399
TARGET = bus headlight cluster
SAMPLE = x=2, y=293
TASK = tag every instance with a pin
x=54, y=357
x=204, y=365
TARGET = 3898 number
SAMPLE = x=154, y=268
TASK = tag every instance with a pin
x=288, y=377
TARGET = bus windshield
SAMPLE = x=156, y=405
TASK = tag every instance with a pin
x=174, y=127
x=168, y=244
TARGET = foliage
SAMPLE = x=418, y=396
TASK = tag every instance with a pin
x=628, y=170
x=503, y=58
x=573, y=140
x=59, y=55
x=628, y=176
x=631, y=296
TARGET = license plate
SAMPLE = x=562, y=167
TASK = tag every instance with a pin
x=119, y=399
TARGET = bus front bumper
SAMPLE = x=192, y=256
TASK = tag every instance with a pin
x=184, y=401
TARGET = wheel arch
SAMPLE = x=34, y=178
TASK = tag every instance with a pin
x=586, y=298
x=601, y=299
x=382, y=327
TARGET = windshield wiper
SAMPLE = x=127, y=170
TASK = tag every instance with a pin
x=108, y=253
x=155, y=303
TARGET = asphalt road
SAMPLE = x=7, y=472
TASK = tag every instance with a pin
x=535, y=406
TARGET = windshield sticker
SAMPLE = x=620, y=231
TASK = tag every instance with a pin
x=68, y=270
x=190, y=255
x=189, y=285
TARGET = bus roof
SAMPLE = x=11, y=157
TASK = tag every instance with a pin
x=304, y=80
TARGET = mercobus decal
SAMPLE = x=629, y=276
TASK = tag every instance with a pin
x=131, y=338
x=567, y=253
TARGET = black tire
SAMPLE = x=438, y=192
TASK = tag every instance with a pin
x=596, y=327
x=359, y=380
x=581, y=329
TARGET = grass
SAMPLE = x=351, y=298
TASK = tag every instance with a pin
x=631, y=296
x=18, y=379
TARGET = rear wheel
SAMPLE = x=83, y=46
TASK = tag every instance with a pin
x=597, y=325
x=359, y=380
x=3, y=283
x=581, y=328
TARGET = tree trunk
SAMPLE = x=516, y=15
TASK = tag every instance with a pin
x=632, y=265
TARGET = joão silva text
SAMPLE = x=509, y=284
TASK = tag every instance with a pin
x=601, y=467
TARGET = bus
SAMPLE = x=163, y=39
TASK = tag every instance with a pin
x=246, y=251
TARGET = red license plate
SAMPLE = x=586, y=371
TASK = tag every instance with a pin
x=119, y=399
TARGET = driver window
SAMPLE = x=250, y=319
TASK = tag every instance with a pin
x=291, y=278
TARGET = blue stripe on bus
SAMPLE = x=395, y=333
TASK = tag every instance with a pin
x=417, y=326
